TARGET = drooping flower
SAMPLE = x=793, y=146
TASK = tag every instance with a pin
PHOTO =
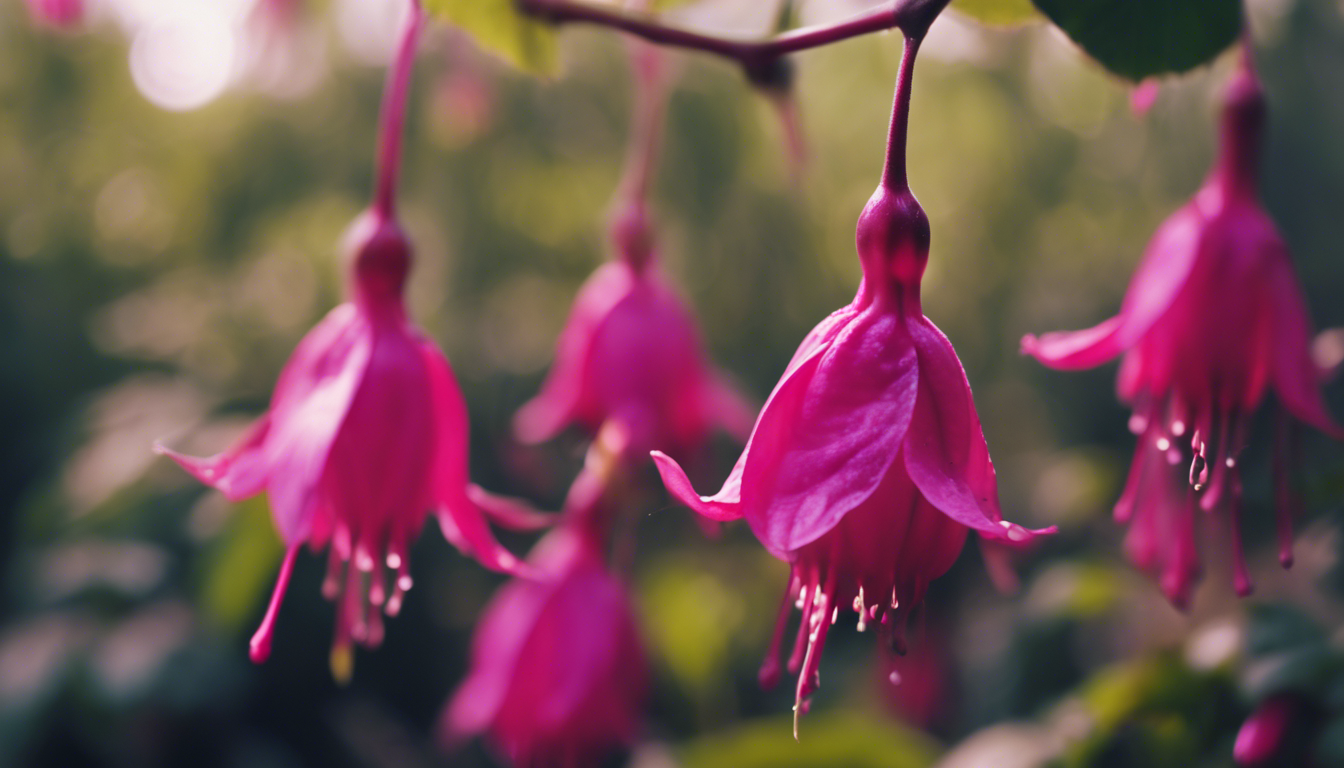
x=60, y=14
x=631, y=356
x=366, y=433
x=558, y=673
x=1212, y=320
x=867, y=466
x=630, y=362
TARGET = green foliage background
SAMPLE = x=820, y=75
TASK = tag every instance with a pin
x=157, y=268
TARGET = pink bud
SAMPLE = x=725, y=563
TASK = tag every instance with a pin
x=1262, y=734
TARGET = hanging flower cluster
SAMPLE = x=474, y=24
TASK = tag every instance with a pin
x=866, y=469
x=1213, y=320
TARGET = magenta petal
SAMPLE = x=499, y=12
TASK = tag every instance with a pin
x=830, y=431
x=722, y=506
x=500, y=638
x=514, y=514
x=786, y=399
x=378, y=471
x=1071, y=350
x=1296, y=378
x=1166, y=266
x=561, y=399
x=462, y=521
x=307, y=412
x=944, y=446
x=237, y=473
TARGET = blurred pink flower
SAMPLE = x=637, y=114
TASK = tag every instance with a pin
x=1144, y=95
x=914, y=686
x=61, y=14
x=558, y=673
x=366, y=432
x=867, y=465
x=1262, y=735
x=630, y=357
x=1213, y=318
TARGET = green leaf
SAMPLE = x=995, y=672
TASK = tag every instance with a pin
x=496, y=25
x=998, y=11
x=241, y=564
x=1277, y=627
x=1140, y=38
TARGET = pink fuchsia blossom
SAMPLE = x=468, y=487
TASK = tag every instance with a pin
x=366, y=431
x=630, y=357
x=1213, y=319
x=366, y=434
x=867, y=466
x=558, y=673
x=60, y=14
x=630, y=362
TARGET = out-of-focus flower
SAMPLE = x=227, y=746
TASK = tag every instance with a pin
x=61, y=14
x=280, y=51
x=366, y=432
x=867, y=465
x=558, y=673
x=630, y=358
x=1213, y=319
x=1144, y=95
x=1262, y=735
x=914, y=686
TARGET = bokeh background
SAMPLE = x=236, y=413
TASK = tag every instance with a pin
x=170, y=200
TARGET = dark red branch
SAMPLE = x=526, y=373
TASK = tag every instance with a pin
x=757, y=57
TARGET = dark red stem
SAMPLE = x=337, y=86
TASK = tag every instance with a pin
x=893, y=168
x=755, y=56
x=392, y=120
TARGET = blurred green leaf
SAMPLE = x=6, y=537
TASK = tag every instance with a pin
x=241, y=565
x=693, y=618
x=1329, y=748
x=998, y=11
x=1140, y=38
x=498, y=26
x=1308, y=668
x=1155, y=712
x=826, y=740
x=1277, y=627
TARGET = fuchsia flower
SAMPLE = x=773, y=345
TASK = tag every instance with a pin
x=61, y=14
x=867, y=465
x=558, y=674
x=630, y=356
x=366, y=433
x=629, y=361
x=1212, y=320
